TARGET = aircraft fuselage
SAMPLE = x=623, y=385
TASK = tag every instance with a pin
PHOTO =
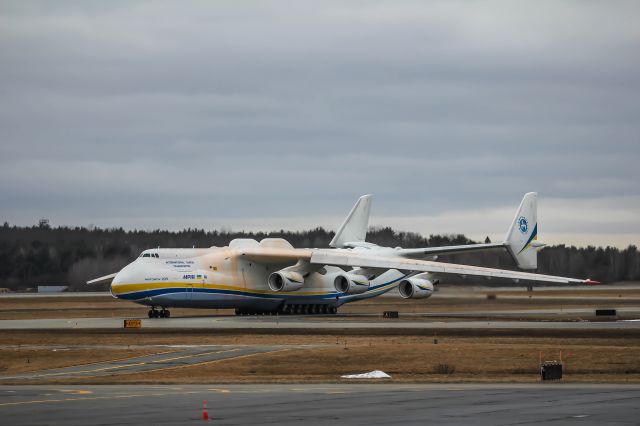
x=218, y=278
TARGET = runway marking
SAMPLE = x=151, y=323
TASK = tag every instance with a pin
x=76, y=392
x=225, y=359
x=194, y=355
x=44, y=401
x=87, y=372
x=190, y=365
x=85, y=364
x=94, y=398
x=116, y=367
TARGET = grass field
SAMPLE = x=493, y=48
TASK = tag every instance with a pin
x=405, y=358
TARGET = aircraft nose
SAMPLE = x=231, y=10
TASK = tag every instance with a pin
x=121, y=279
x=117, y=280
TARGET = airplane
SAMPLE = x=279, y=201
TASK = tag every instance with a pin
x=273, y=277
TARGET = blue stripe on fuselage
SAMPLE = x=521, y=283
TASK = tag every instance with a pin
x=137, y=295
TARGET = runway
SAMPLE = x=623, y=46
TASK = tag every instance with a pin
x=170, y=357
x=350, y=322
x=365, y=404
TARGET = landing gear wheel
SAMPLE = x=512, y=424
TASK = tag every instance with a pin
x=151, y=313
x=165, y=313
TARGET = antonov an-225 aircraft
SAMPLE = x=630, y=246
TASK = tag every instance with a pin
x=271, y=276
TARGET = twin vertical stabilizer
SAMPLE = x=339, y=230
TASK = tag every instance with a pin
x=354, y=228
x=522, y=238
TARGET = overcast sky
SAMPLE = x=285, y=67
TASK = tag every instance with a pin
x=268, y=115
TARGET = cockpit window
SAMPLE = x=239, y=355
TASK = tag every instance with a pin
x=156, y=255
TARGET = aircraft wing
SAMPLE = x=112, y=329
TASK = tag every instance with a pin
x=334, y=258
x=349, y=259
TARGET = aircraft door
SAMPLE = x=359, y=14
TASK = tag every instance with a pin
x=197, y=282
x=189, y=294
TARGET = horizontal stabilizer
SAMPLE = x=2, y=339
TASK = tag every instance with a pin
x=417, y=253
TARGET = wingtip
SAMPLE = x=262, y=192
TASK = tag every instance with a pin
x=591, y=282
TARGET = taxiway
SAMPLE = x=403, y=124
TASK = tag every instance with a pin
x=365, y=404
x=348, y=322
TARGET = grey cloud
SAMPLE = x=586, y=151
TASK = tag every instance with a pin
x=144, y=109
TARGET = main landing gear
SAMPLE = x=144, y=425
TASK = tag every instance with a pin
x=292, y=310
x=164, y=313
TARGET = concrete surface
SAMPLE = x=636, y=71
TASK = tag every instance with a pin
x=361, y=404
x=308, y=322
x=55, y=295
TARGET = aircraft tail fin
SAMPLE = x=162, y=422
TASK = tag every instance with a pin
x=354, y=228
x=522, y=238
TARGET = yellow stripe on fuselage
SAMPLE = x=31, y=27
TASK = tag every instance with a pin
x=120, y=289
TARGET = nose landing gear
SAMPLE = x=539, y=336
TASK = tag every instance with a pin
x=164, y=313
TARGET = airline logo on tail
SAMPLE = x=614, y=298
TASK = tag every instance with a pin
x=523, y=224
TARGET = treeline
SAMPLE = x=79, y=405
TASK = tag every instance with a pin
x=42, y=255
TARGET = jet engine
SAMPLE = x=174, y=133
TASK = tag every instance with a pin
x=351, y=283
x=284, y=280
x=415, y=288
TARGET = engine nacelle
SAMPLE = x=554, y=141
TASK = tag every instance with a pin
x=351, y=284
x=415, y=288
x=285, y=281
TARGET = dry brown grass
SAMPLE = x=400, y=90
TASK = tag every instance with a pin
x=20, y=360
x=405, y=358
x=416, y=362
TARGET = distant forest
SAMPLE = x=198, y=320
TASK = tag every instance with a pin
x=42, y=255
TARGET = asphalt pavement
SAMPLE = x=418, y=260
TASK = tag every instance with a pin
x=358, y=404
x=312, y=322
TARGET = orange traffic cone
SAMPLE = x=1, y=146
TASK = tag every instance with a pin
x=205, y=414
